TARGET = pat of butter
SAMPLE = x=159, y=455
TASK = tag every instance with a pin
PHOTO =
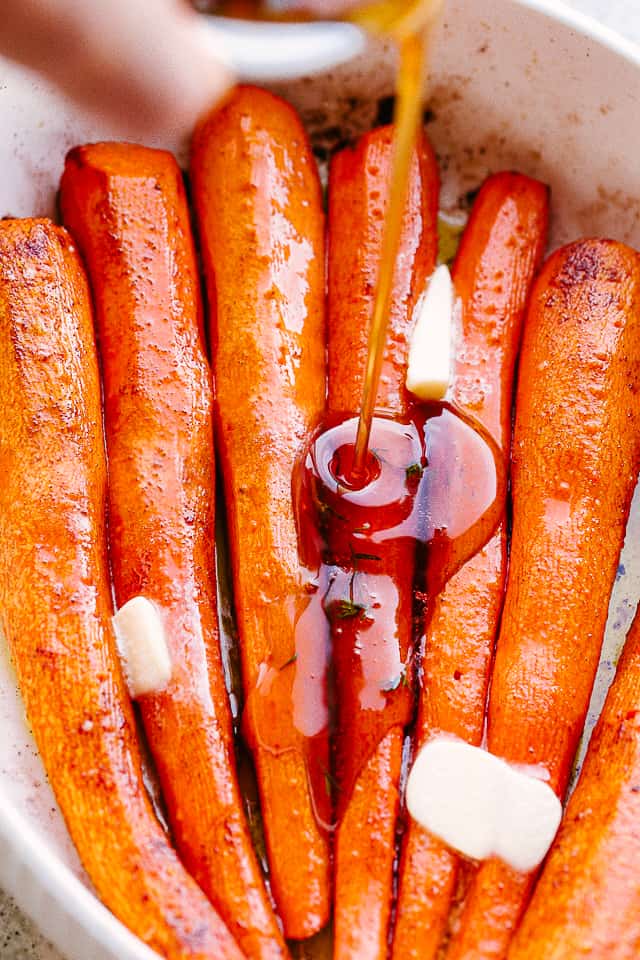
x=431, y=346
x=482, y=806
x=142, y=646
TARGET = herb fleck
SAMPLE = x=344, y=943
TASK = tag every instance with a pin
x=414, y=471
x=401, y=680
x=449, y=232
x=344, y=609
x=326, y=510
x=330, y=783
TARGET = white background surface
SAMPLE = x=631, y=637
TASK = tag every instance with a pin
x=18, y=939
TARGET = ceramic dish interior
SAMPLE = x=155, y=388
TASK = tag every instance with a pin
x=525, y=85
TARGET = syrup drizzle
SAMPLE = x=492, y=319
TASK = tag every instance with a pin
x=406, y=124
x=433, y=487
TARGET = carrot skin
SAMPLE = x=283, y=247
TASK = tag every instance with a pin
x=259, y=206
x=501, y=248
x=368, y=743
x=372, y=810
x=126, y=206
x=459, y=643
x=576, y=454
x=587, y=901
x=56, y=601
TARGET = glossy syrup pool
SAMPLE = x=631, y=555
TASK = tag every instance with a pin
x=432, y=496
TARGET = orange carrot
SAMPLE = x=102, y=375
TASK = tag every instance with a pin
x=55, y=596
x=373, y=708
x=127, y=208
x=587, y=903
x=259, y=206
x=576, y=454
x=500, y=251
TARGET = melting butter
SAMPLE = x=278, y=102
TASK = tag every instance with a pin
x=482, y=806
x=430, y=364
x=142, y=645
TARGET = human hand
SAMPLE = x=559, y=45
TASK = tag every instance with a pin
x=151, y=66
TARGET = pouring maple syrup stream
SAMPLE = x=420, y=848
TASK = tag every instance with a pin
x=412, y=30
x=409, y=24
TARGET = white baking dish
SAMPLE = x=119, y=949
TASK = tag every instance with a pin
x=526, y=85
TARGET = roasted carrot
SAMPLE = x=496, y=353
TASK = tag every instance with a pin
x=127, y=208
x=501, y=248
x=576, y=454
x=259, y=206
x=373, y=709
x=55, y=596
x=587, y=902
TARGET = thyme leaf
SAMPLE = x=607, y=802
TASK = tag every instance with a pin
x=345, y=609
x=330, y=782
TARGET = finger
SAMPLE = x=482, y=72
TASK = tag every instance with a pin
x=152, y=68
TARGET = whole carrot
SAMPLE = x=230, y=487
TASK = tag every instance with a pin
x=55, y=596
x=127, y=208
x=501, y=248
x=259, y=207
x=575, y=461
x=587, y=902
x=372, y=643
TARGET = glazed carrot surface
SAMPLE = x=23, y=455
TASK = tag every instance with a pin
x=587, y=902
x=127, y=208
x=372, y=654
x=259, y=206
x=501, y=248
x=55, y=597
x=576, y=454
